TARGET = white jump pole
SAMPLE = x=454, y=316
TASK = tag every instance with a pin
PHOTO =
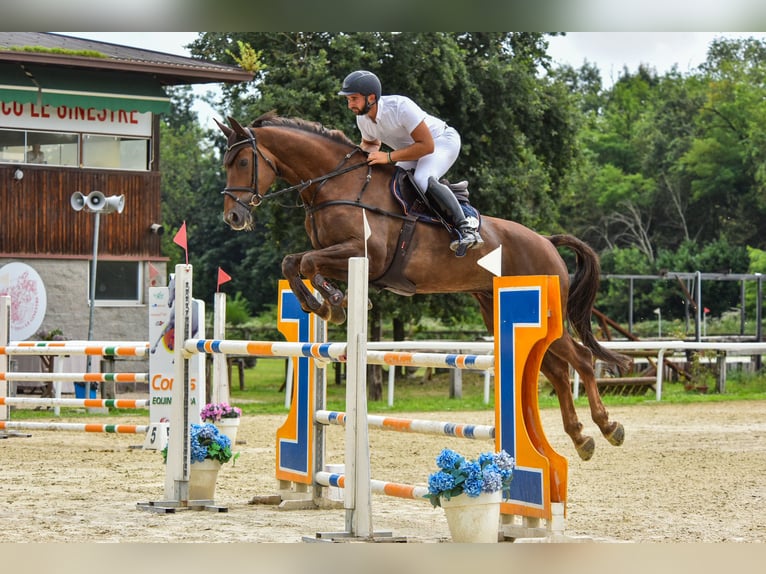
x=179, y=455
x=220, y=390
x=5, y=335
x=357, y=493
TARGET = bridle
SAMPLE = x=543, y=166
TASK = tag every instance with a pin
x=256, y=198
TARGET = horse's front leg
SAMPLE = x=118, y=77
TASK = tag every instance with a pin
x=330, y=262
x=329, y=291
x=291, y=271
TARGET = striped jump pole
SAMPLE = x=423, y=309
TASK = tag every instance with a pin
x=78, y=377
x=81, y=427
x=5, y=334
x=421, y=426
x=86, y=403
x=338, y=352
x=377, y=486
x=70, y=348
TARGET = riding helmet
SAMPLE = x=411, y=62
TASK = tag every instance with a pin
x=361, y=82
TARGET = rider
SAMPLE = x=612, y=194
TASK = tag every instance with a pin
x=419, y=141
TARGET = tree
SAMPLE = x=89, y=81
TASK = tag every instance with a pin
x=518, y=129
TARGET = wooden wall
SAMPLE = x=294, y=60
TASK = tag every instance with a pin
x=37, y=218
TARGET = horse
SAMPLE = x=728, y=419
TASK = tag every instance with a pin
x=348, y=203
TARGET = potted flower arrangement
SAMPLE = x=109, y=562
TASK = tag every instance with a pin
x=224, y=416
x=209, y=449
x=470, y=491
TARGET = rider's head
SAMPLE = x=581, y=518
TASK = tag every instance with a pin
x=364, y=83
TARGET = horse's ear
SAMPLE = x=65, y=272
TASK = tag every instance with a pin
x=225, y=129
x=238, y=129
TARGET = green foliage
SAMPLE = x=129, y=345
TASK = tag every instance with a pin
x=62, y=51
x=655, y=172
x=248, y=59
x=237, y=311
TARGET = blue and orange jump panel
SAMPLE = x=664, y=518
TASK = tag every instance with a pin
x=528, y=319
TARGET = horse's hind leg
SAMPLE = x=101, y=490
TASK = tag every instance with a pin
x=581, y=360
x=556, y=371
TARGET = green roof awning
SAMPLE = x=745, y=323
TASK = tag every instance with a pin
x=82, y=88
x=15, y=86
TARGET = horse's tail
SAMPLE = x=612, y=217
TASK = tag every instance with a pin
x=583, y=290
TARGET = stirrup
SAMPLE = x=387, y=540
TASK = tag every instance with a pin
x=469, y=239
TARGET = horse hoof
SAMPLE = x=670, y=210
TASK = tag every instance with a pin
x=586, y=448
x=337, y=315
x=617, y=436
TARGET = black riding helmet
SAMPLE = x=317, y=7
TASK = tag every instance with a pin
x=361, y=82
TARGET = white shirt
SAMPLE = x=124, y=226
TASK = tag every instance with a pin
x=397, y=117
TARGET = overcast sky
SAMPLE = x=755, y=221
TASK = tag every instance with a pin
x=610, y=51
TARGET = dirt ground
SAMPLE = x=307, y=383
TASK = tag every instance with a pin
x=686, y=473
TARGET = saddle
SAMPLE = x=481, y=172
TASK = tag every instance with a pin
x=414, y=202
x=416, y=208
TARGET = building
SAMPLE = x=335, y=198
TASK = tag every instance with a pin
x=83, y=116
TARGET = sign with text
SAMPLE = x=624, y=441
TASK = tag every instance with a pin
x=75, y=119
x=161, y=347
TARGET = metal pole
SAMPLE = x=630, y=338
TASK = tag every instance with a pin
x=698, y=322
x=758, y=318
x=93, y=268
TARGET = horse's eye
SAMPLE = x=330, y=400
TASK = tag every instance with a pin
x=244, y=162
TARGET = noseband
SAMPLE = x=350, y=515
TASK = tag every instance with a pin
x=255, y=197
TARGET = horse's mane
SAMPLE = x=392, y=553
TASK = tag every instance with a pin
x=272, y=119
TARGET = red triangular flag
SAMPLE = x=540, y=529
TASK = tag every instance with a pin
x=223, y=277
x=154, y=273
x=180, y=239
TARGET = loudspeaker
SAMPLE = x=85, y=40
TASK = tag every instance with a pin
x=114, y=203
x=77, y=201
x=98, y=202
x=95, y=201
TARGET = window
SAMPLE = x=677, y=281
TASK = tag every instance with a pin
x=116, y=152
x=118, y=282
x=11, y=146
x=63, y=148
x=50, y=148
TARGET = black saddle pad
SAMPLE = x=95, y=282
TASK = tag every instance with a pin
x=408, y=196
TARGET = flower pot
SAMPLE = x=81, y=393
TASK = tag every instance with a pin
x=229, y=427
x=473, y=519
x=202, y=478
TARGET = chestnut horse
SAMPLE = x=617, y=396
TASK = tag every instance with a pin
x=336, y=185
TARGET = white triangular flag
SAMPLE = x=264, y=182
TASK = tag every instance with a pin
x=367, y=231
x=493, y=261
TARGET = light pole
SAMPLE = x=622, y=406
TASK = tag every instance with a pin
x=658, y=312
x=97, y=203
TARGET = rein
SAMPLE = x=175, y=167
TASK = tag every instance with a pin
x=255, y=196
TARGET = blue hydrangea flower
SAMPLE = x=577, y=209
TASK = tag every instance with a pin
x=486, y=458
x=448, y=459
x=490, y=472
x=440, y=482
x=493, y=479
x=504, y=461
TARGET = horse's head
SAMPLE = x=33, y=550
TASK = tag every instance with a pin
x=246, y=178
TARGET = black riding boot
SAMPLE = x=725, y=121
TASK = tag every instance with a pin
x=450, y=208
